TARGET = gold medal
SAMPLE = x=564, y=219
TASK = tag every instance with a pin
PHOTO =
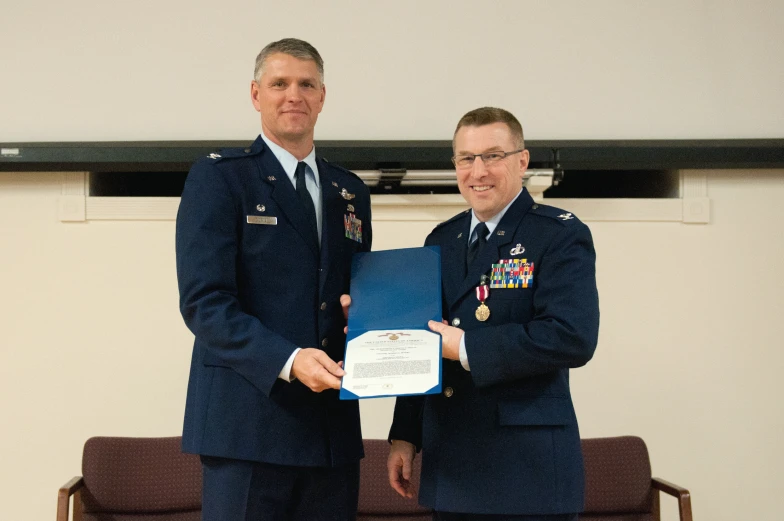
x=482, y=312
x=482, y=292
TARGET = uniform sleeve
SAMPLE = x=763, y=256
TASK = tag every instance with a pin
x=564, y=330
x=407, y=420
x=207, y=243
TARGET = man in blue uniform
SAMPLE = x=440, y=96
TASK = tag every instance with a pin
x=521, y=308
x=264, y=242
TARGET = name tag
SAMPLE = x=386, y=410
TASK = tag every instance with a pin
x=260, y=219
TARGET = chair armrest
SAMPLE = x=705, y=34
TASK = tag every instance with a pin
x=64, y=496
x=682, y=494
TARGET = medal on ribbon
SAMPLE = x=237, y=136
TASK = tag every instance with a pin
x=482, y=292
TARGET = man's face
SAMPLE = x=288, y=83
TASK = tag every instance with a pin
x=489, y=188
x=289, y=95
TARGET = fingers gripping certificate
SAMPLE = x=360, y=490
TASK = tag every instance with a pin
x=389, y=349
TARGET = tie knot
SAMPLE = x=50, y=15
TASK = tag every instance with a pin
x=481, y=232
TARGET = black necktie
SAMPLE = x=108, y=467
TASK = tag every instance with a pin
x=481, y=239
x=304, y=196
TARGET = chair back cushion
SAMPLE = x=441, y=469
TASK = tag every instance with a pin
x=140, y=476
x=617, y=478
x=376, y=497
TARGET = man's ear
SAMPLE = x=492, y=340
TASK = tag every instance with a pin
x=254, y=95
x=525, y=157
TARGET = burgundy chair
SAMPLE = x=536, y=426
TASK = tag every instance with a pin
x=377, y=500
x=618, y=482
x=149, y=479
x=134, y=479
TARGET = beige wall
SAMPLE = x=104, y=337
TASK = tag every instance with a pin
x=91, y=342
x=180, y=69
x=689, y=355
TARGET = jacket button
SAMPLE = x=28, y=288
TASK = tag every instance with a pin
x=448, y=392
x=247, y=151
x=324, y=343
x=534, y=207
x=455, y=321
x=323, y=306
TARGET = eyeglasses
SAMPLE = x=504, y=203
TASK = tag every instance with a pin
x=488, y=158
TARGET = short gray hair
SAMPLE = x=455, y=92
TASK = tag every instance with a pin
x=293, y=47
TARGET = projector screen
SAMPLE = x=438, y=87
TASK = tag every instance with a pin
x=113, y=70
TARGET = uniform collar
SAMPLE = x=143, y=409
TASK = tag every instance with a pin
x=289, y=163
x=491, y=223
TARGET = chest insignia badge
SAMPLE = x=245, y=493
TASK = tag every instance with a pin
x=517, y=250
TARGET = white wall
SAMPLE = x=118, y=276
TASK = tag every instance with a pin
x=689, y=355
x=167, y=70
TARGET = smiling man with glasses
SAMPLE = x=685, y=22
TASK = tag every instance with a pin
x=521, y=308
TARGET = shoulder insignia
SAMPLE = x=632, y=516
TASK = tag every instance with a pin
x=552, y=212
x=231, y=153
x=453, y=219
x=342, y=169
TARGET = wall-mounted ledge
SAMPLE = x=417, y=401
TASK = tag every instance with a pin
x=692, y=207
x=177, y=156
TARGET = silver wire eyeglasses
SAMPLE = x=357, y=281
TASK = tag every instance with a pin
x=488, y=158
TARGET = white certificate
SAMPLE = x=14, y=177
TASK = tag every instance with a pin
x=393, y=363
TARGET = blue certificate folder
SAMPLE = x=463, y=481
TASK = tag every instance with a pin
x=394, y=290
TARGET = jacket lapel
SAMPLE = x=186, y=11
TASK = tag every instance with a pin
x=285, y=195
x=453, y=253
x=332, y=231
x=495, y=248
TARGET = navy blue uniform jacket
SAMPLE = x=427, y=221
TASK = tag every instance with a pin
x=251, y=294
x=503, y=438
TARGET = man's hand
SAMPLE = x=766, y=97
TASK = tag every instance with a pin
x=450, y=339
x=345, y=301
x=399, y=464
x=316, y=370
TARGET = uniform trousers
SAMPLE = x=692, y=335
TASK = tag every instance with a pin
x=237, y=490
